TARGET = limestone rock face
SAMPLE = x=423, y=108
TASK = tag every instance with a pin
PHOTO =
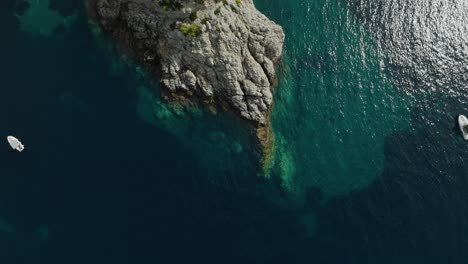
x=223, y=51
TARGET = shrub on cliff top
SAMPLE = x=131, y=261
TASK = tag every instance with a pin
x=192, y=30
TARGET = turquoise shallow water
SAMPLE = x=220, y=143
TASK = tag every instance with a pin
x=369, y=165
x=354, y=71
x=336, y=102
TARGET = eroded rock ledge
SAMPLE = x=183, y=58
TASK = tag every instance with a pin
x=215, y=51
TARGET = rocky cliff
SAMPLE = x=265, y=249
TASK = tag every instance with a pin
x=216, y=51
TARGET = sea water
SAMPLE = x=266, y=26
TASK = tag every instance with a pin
x=368, y=167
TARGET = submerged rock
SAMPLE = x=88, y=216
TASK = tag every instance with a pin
x=219, y=52
x=36, y=17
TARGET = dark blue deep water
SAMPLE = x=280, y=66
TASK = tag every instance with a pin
x=369, y=164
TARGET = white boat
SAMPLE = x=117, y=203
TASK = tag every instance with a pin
x=463, y=123
x=15, y=143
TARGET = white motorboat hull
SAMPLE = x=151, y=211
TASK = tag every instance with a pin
x=15, y=143
x=463, y=124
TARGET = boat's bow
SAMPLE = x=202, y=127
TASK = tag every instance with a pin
x=15, y=143
x=463, y=124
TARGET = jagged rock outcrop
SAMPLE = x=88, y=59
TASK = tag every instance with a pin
x=219, y=51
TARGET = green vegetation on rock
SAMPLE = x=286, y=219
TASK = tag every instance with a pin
x=192, y=30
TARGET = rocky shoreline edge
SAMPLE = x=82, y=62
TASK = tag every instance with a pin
x=219, y=53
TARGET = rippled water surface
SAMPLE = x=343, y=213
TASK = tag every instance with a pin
x=369, y=165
